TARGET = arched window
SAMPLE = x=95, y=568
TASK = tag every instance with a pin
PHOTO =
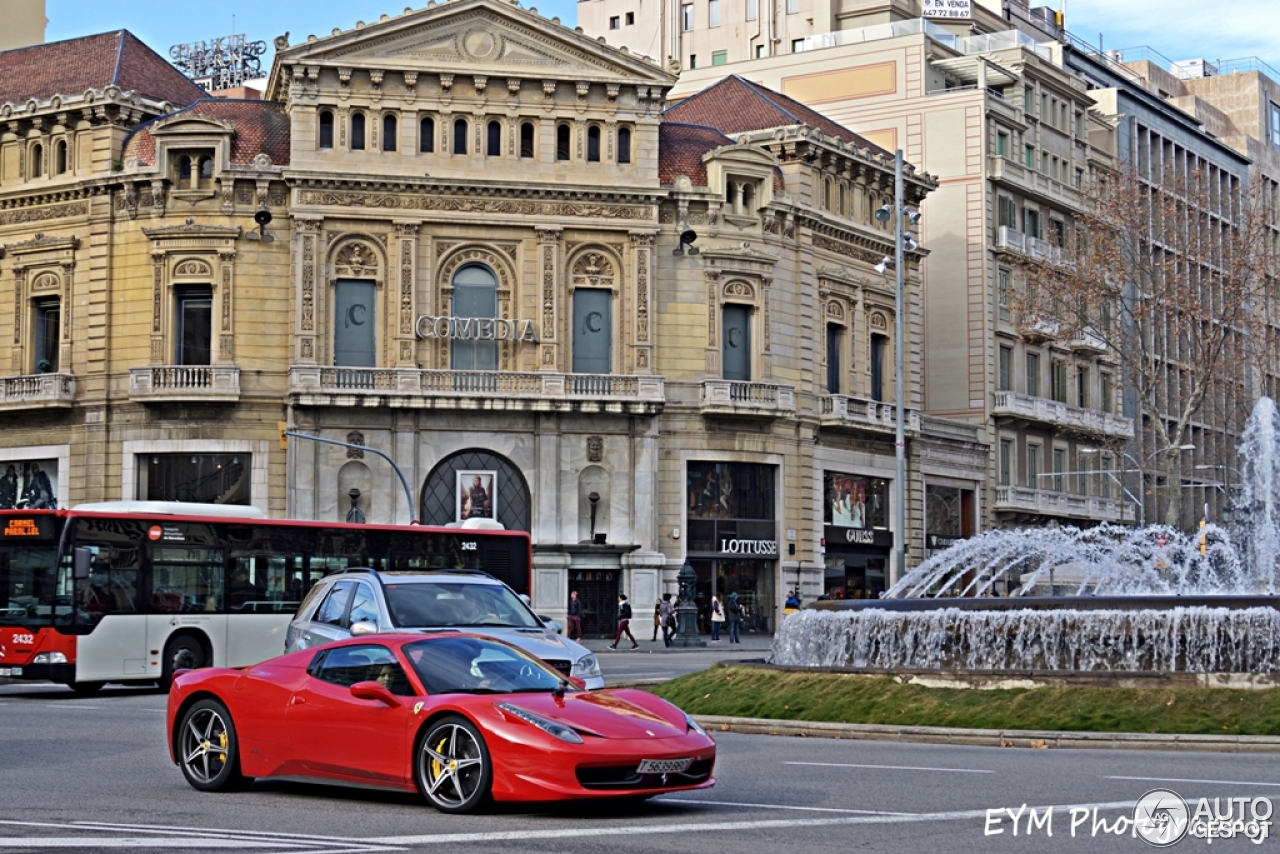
x=388, y=133
x=624, y=145
x=460, y=136
x=493, y=144
x=730, y=193
x=593, y=144
x=326, y=129
x=475, y=294
x=206, y=168
x=840, y=210
x=526, y=139
x=563, y=144
x=37, y=160
x=829, y=201
x=749, y=198
x=357, y=131
x=60, y=163
x=184, y=168
x=427, y=136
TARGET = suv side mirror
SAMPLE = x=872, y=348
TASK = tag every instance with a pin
x=364, y=627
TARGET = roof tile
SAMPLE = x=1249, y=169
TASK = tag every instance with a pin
x=261, y=127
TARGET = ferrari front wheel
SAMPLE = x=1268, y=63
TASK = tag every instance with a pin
x=208, y=749
x=453, y=767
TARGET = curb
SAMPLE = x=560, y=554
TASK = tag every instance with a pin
x=995, y=738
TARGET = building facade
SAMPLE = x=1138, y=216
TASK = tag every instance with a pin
x=468, y=238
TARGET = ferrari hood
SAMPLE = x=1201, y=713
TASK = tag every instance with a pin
x=607, y=714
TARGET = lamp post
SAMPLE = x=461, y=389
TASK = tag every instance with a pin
x=1140, y=466
x=902, y=243
x=408, y=494
x=687, y=610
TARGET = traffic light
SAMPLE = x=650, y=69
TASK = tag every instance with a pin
x=284, y=440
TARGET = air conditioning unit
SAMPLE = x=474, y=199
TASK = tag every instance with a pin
x=1188, y=69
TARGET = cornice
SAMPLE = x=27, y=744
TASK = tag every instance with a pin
x=476, y=189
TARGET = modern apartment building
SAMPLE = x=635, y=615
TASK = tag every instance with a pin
x=1011, y=136
x=24, y=23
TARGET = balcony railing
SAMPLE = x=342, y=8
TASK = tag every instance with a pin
x=1012, y=240
x=185, y=383
x=39, y=391
x=1031, y=181
x=732, y=397
x=840, y=410
x=913, y=26
x=412, y=388
x=1076, y=418
x=1018, y=499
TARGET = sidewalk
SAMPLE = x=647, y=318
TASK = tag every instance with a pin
x=753, y=642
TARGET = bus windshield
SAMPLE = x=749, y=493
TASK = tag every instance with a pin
x=31, y=594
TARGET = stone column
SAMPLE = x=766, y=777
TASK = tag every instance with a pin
x=306, y=265
x=642, y=301
x=19, y=294
x=68, y=297
x=550, y=253
x=157, y=308
x=402, y=318
x=225, y=354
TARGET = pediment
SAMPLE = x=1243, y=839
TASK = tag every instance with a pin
x=184, y=124
x=476, y=37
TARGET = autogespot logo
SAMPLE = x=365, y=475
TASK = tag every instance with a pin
x=1161, y=818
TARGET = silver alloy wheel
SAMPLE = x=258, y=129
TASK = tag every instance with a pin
x=204, y=744
x=451, y=765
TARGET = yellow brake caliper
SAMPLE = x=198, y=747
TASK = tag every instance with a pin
x=436, y=768
x=222, y=742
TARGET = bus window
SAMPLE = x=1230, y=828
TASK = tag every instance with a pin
x=186, y=579
x=112, y=587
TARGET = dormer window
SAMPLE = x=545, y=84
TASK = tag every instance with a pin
x=192, y=170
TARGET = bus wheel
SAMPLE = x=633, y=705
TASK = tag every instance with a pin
x=86, y=687
x=181, y=653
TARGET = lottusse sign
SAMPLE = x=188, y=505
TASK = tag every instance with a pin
x=476, y=329
x=763, y=548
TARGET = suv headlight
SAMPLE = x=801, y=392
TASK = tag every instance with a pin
x=50, y=658
x=586, y=667
x=559, y=730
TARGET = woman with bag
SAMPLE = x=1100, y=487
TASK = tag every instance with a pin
x=734, y=617
x=717, y=617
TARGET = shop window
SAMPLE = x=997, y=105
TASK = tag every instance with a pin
x=209, y=478
x=460, y=136
x=592, y=331
x=563, y=142
x=879, y=346
x=736, y=328
x=193, y=326
x=354, y=323
x=593, y=144
x=475, y=294
x=357, y=132
x=624, y=145
x=851, y=501
x=427, y=136
x=718, y=490
x=835, y=336
x=48, y=327
x=326, y=129
x=526, y=139
x=389, y=128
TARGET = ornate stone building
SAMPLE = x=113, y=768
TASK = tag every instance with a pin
x=490, y=256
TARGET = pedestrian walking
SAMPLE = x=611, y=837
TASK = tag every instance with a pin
x=717, y=618
x=575, y=616
x=734, y=617
x=667, y=615
x=624, y=623
x=657, y=618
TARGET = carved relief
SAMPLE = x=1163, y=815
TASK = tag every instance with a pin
x=835, y=309
x=878, y=321
x=157, y=289
x=45, y=282
x=355, y=437
x=593, y=270
x=193, y=268
x=425, y=202
x=406, y=286
x=356, y=259
x=19, y=279
x=308, y=281
x=739, y=290
x=13, y=217
x=595, y=449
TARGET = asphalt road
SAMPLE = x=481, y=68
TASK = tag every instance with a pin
x=92, y=774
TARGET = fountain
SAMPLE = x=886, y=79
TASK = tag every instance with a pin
x=1104, y=599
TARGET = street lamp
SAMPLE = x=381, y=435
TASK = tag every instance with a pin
x=902, y=243
x=1140, y=466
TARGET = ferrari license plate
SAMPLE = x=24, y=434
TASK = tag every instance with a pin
x=664, y=766
x=6, y=671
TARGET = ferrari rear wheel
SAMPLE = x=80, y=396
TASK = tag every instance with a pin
x=453, y=768
x=208, y=749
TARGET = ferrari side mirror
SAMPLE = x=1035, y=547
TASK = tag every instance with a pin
x=373, y=691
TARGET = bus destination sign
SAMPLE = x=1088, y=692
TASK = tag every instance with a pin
x=27, y=527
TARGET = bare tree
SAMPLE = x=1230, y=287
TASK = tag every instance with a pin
x=1169, y=273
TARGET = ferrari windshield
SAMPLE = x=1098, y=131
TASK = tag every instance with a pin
x=461, y=665
x=455, y=604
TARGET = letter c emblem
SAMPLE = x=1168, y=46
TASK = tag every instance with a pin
x=734, y=337
x=355, y=315
x=593, y=321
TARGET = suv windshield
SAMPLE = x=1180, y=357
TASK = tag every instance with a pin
x=449, y=604
x=460, y=665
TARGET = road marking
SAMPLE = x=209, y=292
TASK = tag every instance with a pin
x=893, y=767
x=778, y=806
x=735, y=825
x=1185, y=780
x=178, y=837
x=93, y=843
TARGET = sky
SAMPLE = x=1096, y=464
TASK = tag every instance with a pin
x=1177, y=29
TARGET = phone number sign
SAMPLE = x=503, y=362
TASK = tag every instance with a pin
x=947, y=9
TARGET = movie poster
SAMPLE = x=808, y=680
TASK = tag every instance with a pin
x=477, y=495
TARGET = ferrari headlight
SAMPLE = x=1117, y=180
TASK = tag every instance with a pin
x=50, y=658
x=690, y=723
x=560, y=731
x=586, y=667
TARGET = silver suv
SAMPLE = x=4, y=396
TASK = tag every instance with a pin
x=360, y=601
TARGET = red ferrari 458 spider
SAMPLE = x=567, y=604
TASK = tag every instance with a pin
x=461, y=718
